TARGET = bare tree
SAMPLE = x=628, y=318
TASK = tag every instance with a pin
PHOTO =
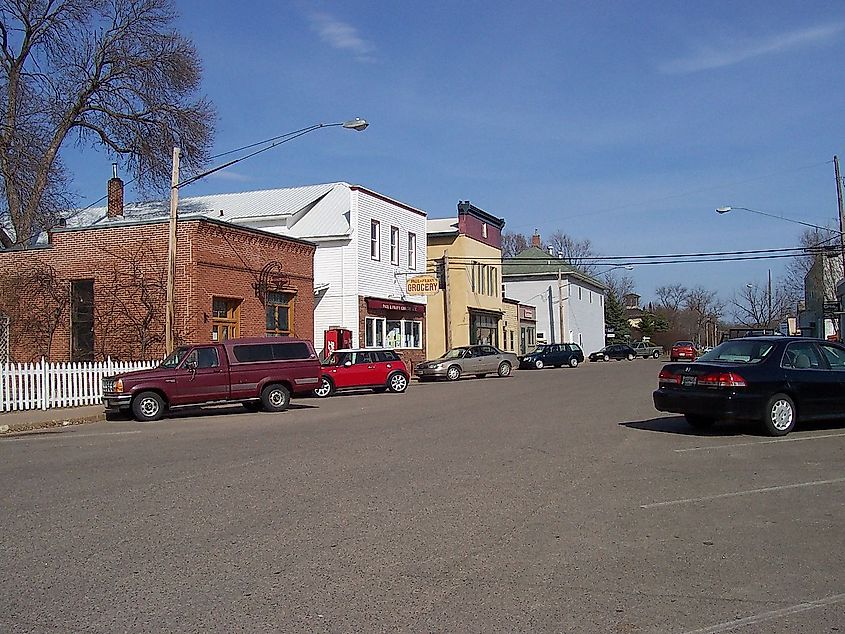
x=672, y=296
x=129, y=319
x=577, y=253
x=753, y=307
x=703, y=307
x=36, y=301
x=797, y=268
x=514, y=244
x=619, y=285
x=108, y=73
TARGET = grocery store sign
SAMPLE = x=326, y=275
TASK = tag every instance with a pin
x=422, y=285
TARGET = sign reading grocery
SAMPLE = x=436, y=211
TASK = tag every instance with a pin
x=422, y=285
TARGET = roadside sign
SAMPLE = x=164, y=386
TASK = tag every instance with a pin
x=422, y=285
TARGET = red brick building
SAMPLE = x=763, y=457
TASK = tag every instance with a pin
x=100, y=291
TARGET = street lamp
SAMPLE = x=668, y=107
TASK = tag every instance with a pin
x=358, y=124
x=724, y=210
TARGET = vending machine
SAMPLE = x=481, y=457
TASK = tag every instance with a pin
x=336, y=339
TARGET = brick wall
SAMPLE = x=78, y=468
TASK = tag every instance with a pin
x=128, y=265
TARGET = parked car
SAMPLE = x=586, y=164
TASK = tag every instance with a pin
x=683, y=350
x=477, y=360
x=774, y=380
x=616, y=351
x=259, y=372
x=646, y=349
x=553, y=354
x=378, y=369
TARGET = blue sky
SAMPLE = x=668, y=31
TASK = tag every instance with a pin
x=623, y=123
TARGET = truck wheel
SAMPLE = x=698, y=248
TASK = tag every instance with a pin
x=148, y=407
x=656, y=354
x=275, y=398
x=326, y=388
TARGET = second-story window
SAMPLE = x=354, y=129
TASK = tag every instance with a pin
x=394, y=246
x=375, y=240
x=412, y=251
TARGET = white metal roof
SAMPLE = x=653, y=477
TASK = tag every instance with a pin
x=308, y=211
x=441, y=225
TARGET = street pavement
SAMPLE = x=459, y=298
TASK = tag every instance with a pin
x=550, y=501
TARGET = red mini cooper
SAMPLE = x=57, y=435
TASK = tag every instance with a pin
x=683, y=351
x=374, y=368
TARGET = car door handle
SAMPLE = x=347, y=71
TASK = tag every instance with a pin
x=371, y=367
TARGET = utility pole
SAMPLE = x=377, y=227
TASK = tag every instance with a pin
x=769, y=297
x=561, y=312
x=446, y=316
x=170, y=311
x=841, y=210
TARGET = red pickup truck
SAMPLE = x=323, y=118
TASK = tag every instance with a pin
x=258, y=372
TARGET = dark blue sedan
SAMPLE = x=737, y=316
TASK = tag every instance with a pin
x=774, y=380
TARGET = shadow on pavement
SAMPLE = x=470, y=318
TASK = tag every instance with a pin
x=677, y=425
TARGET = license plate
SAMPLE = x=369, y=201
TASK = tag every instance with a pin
x=687, y=380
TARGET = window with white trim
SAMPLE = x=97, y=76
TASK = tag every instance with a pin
x=394, y=246
x=412, y=251
x=392, y=333
x=375, y=239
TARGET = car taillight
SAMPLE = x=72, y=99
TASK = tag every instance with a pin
x=721, y=379
x=667, y=377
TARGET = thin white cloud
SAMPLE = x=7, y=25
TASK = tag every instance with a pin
x=341, y=36
x=738, y=50
x=231, y=176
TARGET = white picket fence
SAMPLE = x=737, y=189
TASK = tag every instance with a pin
x=46, y=385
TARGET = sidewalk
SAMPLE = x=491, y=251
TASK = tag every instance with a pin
x=40, y=419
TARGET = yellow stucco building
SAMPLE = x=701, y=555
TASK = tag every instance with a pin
x=466, y=254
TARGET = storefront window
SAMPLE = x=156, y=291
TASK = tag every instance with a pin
x=483, y=329
x=392, y=333
x=413, y=335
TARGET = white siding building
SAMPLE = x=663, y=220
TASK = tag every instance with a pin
x=367, y=246
x=570, y=304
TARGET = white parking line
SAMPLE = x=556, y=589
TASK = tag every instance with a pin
x=738, y=493
x=759, y=442
x=727, y=626
x=69, y=435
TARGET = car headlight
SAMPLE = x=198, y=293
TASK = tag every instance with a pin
x=118, y=386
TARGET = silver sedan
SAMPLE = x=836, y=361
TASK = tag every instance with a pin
x=475, y=360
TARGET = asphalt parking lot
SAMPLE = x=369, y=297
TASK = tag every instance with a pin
x=550, y=501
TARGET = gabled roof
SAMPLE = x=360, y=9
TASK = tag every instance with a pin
x=309, y=211
x=535, y=262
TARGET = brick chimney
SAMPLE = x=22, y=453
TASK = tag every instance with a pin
x=535, y=240
x=115, y=190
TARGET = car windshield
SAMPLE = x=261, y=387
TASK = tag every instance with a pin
x=739, y=351
x=454, y=353
x=175, y=358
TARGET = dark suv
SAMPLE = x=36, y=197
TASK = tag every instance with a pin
x=553, y=354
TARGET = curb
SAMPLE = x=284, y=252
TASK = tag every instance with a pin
x=23, y=428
